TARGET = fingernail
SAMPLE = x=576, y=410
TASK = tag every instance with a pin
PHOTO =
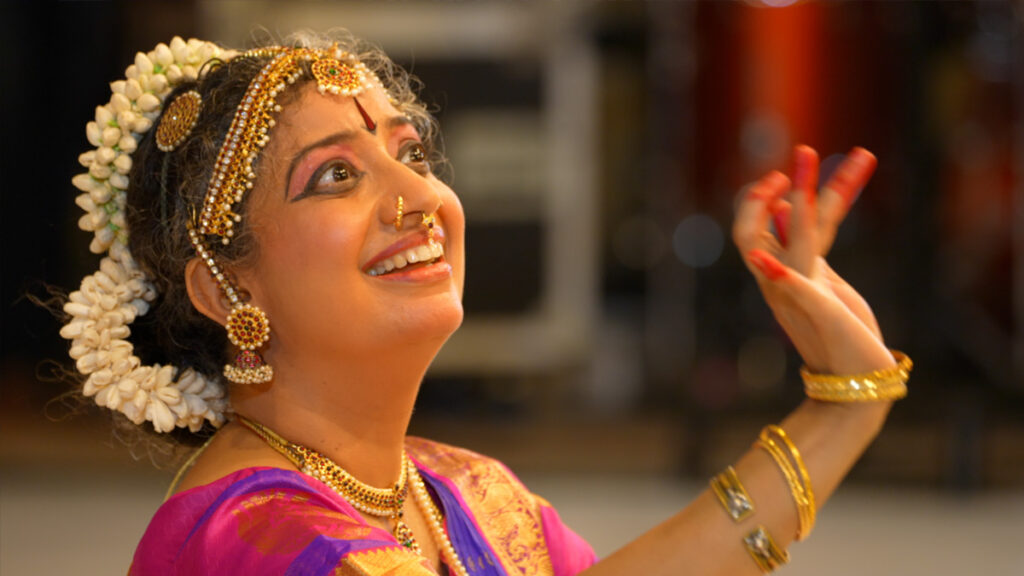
x=805, y=168
x=854, y=173
x=767, y=264
x=774, y=180
x=757, y=192
x=769, y=187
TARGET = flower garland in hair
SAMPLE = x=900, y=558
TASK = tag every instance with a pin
x=111, y=298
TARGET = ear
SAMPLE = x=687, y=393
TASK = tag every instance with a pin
x=205, y=293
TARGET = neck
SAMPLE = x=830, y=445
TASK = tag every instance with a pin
x=356, y=415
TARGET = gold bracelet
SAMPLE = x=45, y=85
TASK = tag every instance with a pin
x=886, y=384
x=777, y=444
x=733, y=496
x=763, y=549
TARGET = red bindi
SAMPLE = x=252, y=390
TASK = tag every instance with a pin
x=370, y=124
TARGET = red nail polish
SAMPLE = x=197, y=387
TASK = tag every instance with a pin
x=853, y=173
x=805, y=168
x=767, y=264
x=774, y=180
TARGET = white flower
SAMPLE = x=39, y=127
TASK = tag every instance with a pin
x=158, y=84
x=143, y=65
x=108, y=300
x=162, y=55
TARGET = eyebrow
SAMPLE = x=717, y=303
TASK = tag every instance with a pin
x=392, y=123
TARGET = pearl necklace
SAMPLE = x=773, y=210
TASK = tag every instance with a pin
x=435, y=519
x=379, y=502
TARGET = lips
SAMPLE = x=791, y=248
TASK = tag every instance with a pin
x=424, y=254
x=408, y=254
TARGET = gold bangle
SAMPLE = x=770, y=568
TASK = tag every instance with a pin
x=880, y=385
x=777, y=444
x=763, y=549
x=733, y=496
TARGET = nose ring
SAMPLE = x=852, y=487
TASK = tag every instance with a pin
x=428, y=223
x=399, y=212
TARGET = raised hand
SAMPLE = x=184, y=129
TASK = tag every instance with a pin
x=831, y=326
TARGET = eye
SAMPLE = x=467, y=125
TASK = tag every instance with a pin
x=334, y=175
x=415, y=155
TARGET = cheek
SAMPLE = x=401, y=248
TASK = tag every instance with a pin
x=308, y=252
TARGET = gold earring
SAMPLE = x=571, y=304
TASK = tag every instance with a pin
x=399, y=212
x=248, y=328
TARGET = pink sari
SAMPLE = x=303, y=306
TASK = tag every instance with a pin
x=274, y=521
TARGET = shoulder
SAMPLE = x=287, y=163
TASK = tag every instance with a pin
x=458, y=465
x=523, y=530
x=255, y=520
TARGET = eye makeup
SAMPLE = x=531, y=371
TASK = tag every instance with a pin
x=314, y=164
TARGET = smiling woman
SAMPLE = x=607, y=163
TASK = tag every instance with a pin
x=304, y=265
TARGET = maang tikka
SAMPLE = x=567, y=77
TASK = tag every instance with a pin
x=335, y=73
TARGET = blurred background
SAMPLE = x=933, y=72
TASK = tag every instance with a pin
x=616, y=352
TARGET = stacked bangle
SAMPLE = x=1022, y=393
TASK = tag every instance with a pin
x=733, y=496
x=764, y=551
x=785, y=454
x=887, y=384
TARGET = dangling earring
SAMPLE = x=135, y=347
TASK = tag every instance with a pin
x=399, y=212
x=248, y=328
x=247, y=325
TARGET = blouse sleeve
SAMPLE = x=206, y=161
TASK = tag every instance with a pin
x=570, y=554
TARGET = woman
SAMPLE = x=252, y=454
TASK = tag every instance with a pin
x=292, y=186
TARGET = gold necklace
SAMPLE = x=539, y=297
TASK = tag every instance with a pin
x=379, y=502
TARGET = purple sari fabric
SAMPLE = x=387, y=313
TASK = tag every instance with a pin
x=274, y=521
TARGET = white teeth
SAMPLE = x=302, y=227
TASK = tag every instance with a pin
x=422, y=253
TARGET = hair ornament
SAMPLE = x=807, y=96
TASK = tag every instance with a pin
x=110, y=299
x=178, y=120
x=250, y=129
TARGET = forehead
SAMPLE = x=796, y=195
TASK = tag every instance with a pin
x=307, y=115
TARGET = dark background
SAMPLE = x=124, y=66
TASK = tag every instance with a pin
x=693, y=101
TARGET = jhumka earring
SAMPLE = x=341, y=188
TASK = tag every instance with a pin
x=399, y=212
x=248, y=328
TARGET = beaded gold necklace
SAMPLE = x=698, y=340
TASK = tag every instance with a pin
x=379, y=502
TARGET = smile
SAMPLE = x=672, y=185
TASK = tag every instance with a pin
x=424, y=254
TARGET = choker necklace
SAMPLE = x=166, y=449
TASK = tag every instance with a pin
x=379, y=502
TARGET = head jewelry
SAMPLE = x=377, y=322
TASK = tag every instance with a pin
x=108, y=300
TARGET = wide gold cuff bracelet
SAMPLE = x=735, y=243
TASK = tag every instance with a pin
x=733, y=496
x=763, y=549
x=880, y=385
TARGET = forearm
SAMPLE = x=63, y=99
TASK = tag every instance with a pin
x=703, y=539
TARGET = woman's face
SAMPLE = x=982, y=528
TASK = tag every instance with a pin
x=323, y=212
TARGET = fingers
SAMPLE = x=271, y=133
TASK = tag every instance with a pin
x=753, y=215
x=802, y=236
x=839, y=193
x=781, y=210
x=805, y=168
x=766, y=265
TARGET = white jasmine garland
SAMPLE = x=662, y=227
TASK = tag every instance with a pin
x=109, y=300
